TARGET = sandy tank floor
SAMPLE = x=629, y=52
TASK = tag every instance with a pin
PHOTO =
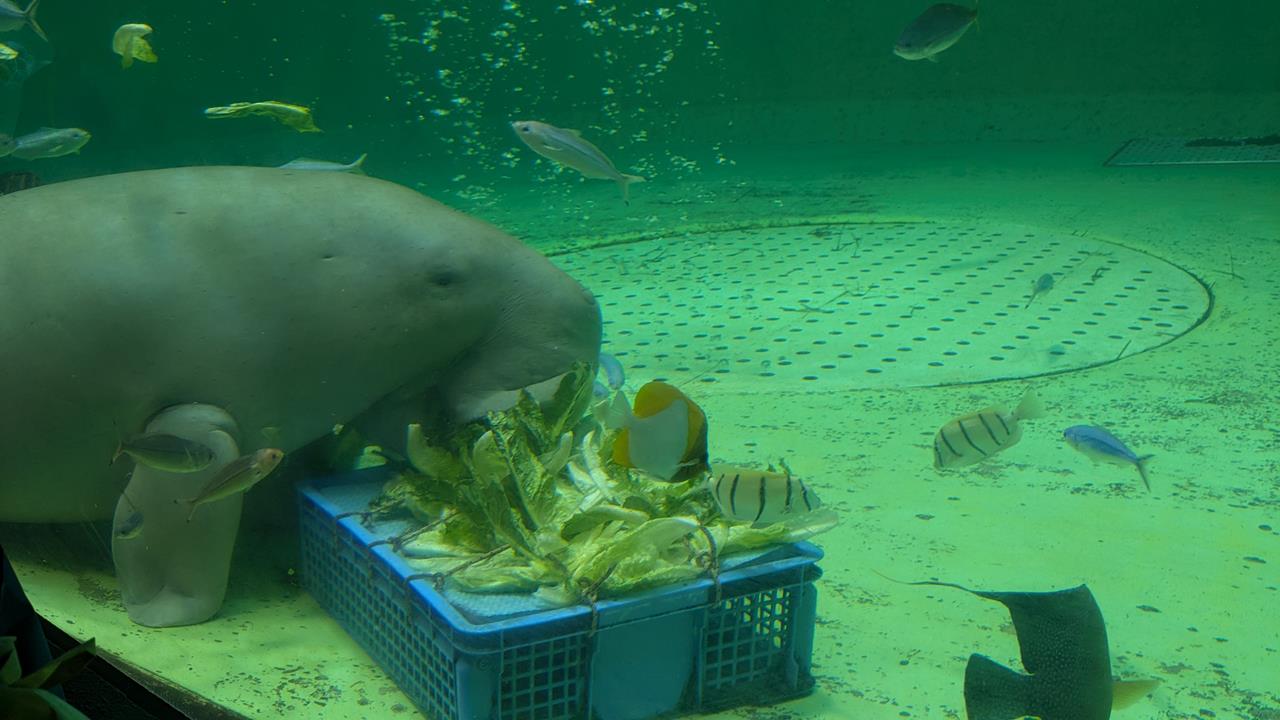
x=1186, y=574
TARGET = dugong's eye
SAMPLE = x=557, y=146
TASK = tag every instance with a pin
x=526, y=128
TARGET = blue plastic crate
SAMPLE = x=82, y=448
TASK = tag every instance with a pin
x=468, y=657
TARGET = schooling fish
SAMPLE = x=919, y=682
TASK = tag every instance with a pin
x=11, y=18
x=1043, y=284
x=304, y=163
x=570, y=149
x=51, y=143
x=970, y=439
x=1102, y=446
x=130, y=43
x=169, y=453
x=761, y=497
x=238, y=476
x=937, y=29
x=665, y=435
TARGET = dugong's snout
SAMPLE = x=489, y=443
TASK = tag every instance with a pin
x=548, y=323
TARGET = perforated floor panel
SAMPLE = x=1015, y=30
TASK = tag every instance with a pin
x=1196, y=151
x=865, y=305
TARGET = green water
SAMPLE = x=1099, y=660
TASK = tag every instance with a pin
x=747, y=116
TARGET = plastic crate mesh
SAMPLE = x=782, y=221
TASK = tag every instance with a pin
x=545, y=680
x=746, y=637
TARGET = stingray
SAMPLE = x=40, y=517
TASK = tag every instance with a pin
x=1063, y=644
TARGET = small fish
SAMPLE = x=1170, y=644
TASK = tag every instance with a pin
x=51, y=143
x=570, y=149
x=169, y=453
x=13, y=181
x=238, y=476
x=935, y=30
x=304, y=163
x=1102, y=446
x=17, y=64
x=761, y=497
x=11, y=18
x=665, y=435
x=970, y=439
x=7, y=145
x=297, y=117
x=1043, y=284
x=612, y=370
x=130, y=527
x=130, y=43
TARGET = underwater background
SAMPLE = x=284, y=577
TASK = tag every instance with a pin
x=787, y=149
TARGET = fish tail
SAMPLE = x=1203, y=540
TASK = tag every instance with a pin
x=1030, y=407
x=994, y=692
x=191, y=506
x=624, y=182
x=1142, y=470
x=31, y=20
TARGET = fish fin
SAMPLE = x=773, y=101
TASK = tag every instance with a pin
x=933, y=59
x=31, y=20
x=126, y=60
x=357, y=165
x=1030, y=407
x=1127, y=692
x=994, y=692
x=571, y=131
x=191, y=506
x=1142, y=470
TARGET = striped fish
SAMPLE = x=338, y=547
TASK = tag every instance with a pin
x=761, y=497
x=970, y=439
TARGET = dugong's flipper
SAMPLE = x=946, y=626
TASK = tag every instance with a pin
x=174, y=572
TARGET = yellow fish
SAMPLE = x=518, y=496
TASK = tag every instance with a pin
x=760, y=497
x=297, y=117
x=665, y=435
x=7, y=53
x=972, y=438
x=130, y=43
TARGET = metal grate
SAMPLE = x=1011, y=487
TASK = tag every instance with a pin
x=880, y=305
x=1196, y=151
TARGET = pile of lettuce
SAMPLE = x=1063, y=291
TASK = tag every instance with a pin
x=528, y=500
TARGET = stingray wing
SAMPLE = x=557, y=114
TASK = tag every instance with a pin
x=1056, y=630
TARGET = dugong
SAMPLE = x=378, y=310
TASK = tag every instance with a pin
x=290, y=300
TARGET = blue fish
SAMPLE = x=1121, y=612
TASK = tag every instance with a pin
x=612, y=370
x=1102, y=446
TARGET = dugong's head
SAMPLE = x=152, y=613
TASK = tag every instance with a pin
x=546, y=322
x=523, y=321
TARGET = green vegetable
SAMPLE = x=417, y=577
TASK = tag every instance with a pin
x=532, y=502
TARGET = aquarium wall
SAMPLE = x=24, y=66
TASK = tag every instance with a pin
x=428, y=88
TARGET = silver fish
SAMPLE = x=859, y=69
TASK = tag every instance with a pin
x=130, y=527
x=937, y=29
x=7, y=145
x=51, y=143
x=304, y=163
x=570, y=149
x=169, y=453
x=238, y=476
x=1099, y=445
x=1043, y=284
x=11, y=18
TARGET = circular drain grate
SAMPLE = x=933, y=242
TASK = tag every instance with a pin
x=864, y=305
